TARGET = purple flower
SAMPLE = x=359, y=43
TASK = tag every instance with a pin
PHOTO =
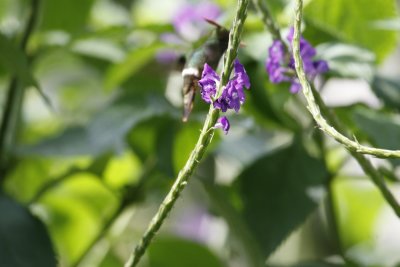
x=166, y=56
x=280, y=67
x=189, y=20
x=223, y=123
x=275, y=61
x=232, y=96
x=295, y=87
x=241, y=75
x=208, y=83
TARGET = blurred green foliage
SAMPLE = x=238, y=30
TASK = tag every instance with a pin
x=98, y=145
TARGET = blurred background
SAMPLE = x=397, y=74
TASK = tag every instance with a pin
x=96, y=138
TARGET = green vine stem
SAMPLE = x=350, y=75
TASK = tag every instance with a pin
x=314, y=108
x=316, y=105
x=14, y=97
x=202, y=143
x=266, y=16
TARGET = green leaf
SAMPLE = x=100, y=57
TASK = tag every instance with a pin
x=348, y=60
x=24, y=239
x=111, y=260
x=120, y=72
x=318, y=264
x=174, y=252
x=185, y=141
x=277, y=193
x=387, y=24
x=105, y=131
x=65, y=15
x=76, y=210
x=383, y=131
x=352, y=21
x=359, y=205
x=388, y=90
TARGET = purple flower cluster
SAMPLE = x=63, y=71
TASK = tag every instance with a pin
x=232, y=96
x=280, y=65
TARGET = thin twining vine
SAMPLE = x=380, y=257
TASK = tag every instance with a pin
x=314, y=108
x=317, y=107
x=202, y=143
x=314, y=99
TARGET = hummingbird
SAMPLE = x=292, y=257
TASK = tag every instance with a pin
x=210, y=52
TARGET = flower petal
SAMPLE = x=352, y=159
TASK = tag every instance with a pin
x=223, y=123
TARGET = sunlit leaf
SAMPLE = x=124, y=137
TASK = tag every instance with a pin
x=105, y=131
x=75, y=211
x=356, y=221
x=350, y=21
x=136, y=59
x=64, y=15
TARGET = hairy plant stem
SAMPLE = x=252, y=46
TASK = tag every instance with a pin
x=202, y=143
x=314, y=107
x=269, y=22
x=318, y=109
x=14, y=98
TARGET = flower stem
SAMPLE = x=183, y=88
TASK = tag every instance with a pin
x=14, y=98
x=266, y=16
x=202, y=143
x=314, y=108
x=317, y=107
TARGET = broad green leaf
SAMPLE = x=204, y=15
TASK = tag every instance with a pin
x=24, y=239
x=136, y=59
x=76, y=210
x=185, y=141
x=174, y=252
x=104, y=132
x=388, y=90
x=348, y=60
x=351, y=21
x=383, y=131
x=221, y=201
x=278, y=193
x=357, y=224
x=122, y=170
x=72, y=141
x=100, y=48
x=65, y=15
x=111, y=260
x=387, y=24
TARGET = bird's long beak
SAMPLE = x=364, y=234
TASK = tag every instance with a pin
x=213, y=23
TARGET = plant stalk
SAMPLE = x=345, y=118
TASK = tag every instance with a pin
x=14, y=98
x=204, y=140
x=318, y=109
